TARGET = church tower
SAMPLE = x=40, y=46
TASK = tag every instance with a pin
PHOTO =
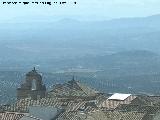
x=33, y=87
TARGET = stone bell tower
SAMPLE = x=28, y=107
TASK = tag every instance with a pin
x=33, y=86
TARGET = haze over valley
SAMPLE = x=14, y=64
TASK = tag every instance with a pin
x=115, y=55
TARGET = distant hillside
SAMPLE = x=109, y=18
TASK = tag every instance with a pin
x=136, y=71
x=69, y=38
x=139, y=62
x=109, y=55
x=150, y=21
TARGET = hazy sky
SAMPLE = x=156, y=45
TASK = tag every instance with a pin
x=83, y=10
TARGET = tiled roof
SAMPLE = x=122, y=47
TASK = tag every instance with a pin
x=10, y=116
x=23, y=104
x=147, y=100
x=141, y=101
x=112, y=104
x=150, y=111
x=72, y=88
x=29, y=117
x=115, y=115
x=100, y=115
x=68, y=116
x=87, y=90
x=16, y=116
x=139, y=108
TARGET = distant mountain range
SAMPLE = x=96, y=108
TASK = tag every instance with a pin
x=123, y=50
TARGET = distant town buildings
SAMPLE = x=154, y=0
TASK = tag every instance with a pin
x=74, y=101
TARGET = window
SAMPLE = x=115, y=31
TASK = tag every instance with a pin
x=34, y=84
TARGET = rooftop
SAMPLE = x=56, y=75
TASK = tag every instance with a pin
x=119, y=96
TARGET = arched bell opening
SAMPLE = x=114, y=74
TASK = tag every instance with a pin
x=34, y=86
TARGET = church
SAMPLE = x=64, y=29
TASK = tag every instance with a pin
x=33, y=86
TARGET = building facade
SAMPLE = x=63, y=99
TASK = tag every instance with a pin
x=33, y=86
